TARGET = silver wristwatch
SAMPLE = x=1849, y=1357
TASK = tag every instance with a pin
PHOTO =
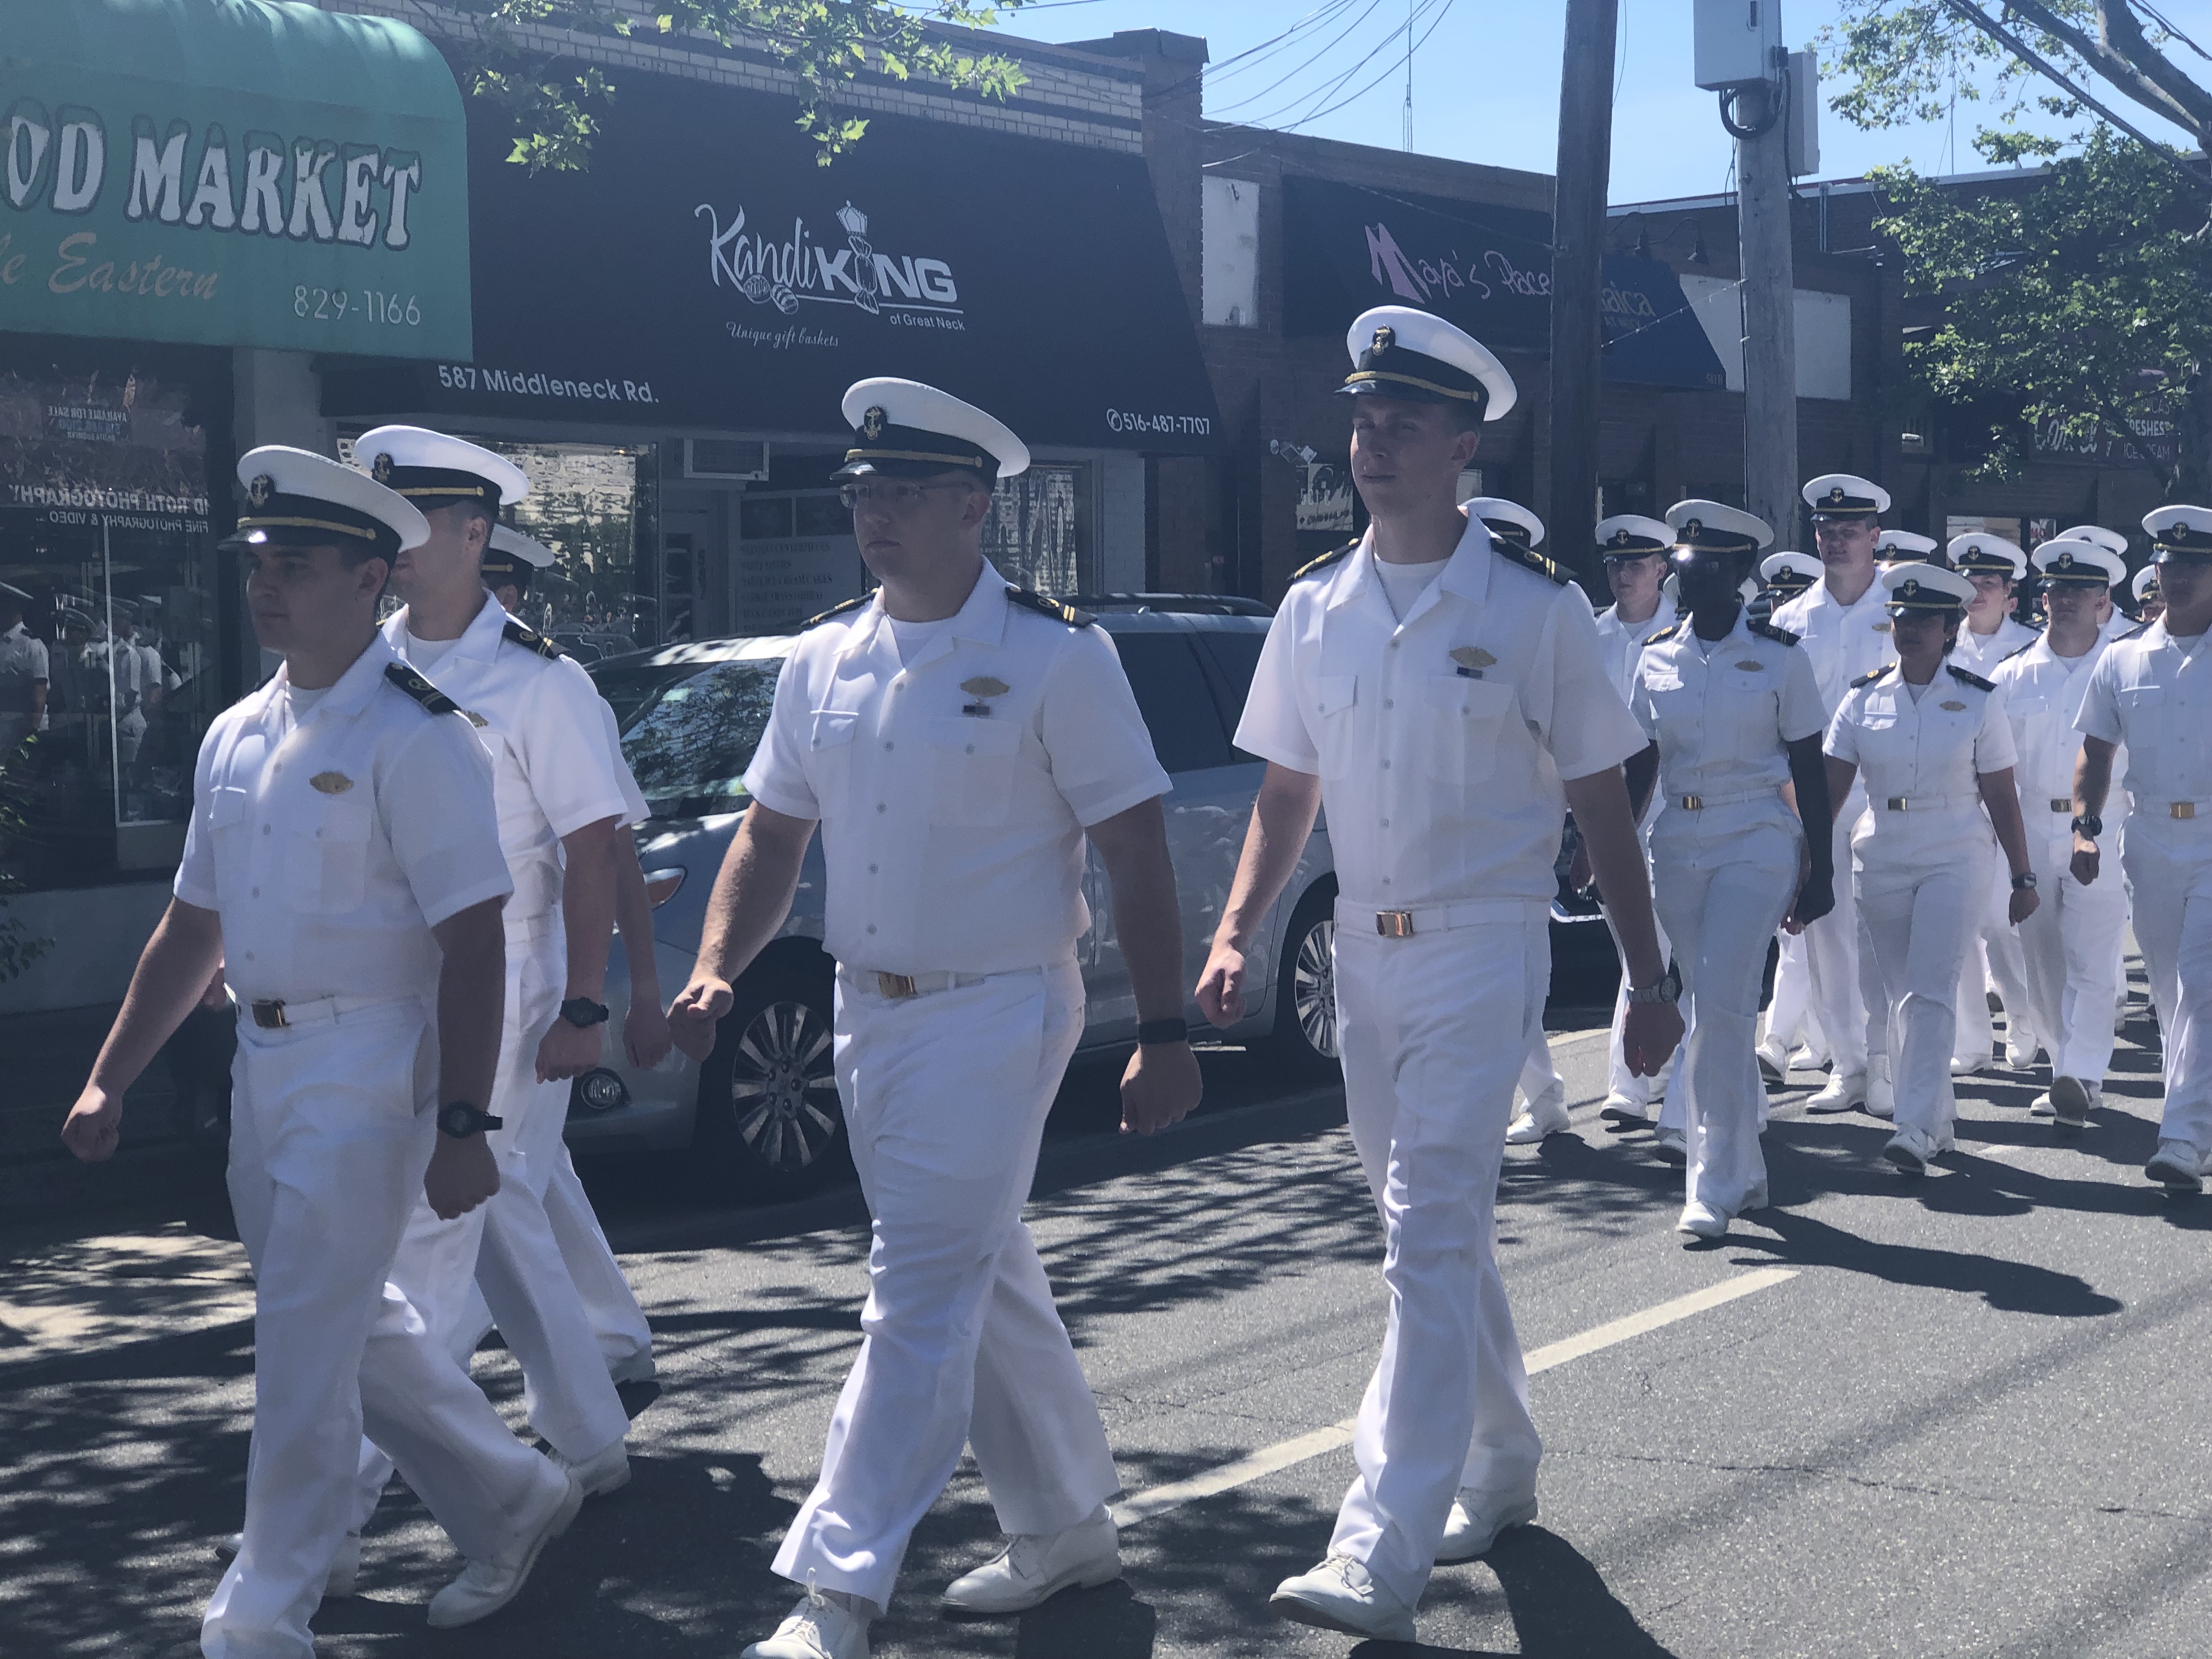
x=1667, y=990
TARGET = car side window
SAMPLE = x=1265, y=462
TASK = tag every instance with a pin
x=1236, y=658
x=1173, y=696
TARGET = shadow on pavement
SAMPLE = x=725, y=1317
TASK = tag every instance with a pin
x=2012, y=1286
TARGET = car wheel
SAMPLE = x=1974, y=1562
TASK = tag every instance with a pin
x=769, y=1118
x=1303, y=1041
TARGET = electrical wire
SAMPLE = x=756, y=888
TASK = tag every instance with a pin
x=2159, y=18
x=1282, y=80
x=1319, y=95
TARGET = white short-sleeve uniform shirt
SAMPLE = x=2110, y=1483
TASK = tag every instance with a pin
x=2154, y=693
x=1928, y=753
x=331, y=843
x=1723, y=713
x=954, y=789
x=544, y=724
x=1440, y=741
x=1842, y=641
x=1624, y=642
x=1980, y=653
x=2043, y=694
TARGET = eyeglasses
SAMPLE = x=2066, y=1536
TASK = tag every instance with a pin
x=892, y=497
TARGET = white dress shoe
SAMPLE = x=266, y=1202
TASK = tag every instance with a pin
x=1547, y=1114
x=485, y=1587
x=1844, y=1091
x=1913, y=1150
x=1339, y=1596
x=1701, y=1220
x=1968, y=1065
x=1670, y=1146
x=345, y=1566
x=2072, y=1100
x=1773, y=1061
x=1476, y=1520
x=2177, y=1166
x=1034, y=1568
x=825, y=1625
x=1620, y=1108
x=2041, y=1106
x=605, y=1471
x=1880, y=1092
x=1804, y=1060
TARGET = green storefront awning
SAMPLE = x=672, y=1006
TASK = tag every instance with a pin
x=231, y=172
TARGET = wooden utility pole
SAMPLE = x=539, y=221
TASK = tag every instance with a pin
x=1770, y=314
x=1577, y=261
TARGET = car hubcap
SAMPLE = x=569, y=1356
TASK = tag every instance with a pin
x=782, y=1089
x=1313, y=987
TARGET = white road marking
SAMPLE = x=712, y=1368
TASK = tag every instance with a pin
x=1158, y=1500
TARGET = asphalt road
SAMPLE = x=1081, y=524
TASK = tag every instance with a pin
x=1965, y=1415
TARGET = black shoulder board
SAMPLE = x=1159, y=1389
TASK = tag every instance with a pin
x=1767, y=630
x=1529, y=559
x=1322, y=563
x=1045, y=607
x=420, y=689
x=2030, y=646
x=531, y=639
x=2135, y=633
x=835, y=611
x=1872, y=674
x=1965, y=678
x=1666, y=633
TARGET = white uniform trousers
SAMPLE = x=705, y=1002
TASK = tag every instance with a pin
x=945, y=1097
x=1919, y=926
x=1720, y=919
x=1832, y=954
x=618, y=1324
x=2169, y=866
x=2071, y=948
x=1789, y=1016
x=1539, y=1072
x=1996, y=958
x=505, y=1245
x=1433, y=1030
x=332, y=1128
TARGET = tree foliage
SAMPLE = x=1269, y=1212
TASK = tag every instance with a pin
x=555, y=102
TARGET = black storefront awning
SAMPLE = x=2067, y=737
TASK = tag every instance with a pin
x=706, y=272
x=1487, y=269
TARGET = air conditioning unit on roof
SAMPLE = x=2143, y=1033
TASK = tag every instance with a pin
x=741, y=460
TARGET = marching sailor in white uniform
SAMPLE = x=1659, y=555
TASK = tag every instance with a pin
x=2150, y=604
x=343, y=867
x=1904, y=547
x=2071, y=944
x=1735, y=715
x=1936, y=751
x=956, y=738
x=1789, y=1017
x=1444, y=694
x=2151, y=693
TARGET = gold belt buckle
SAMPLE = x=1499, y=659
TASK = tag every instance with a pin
x=897, y=987
x=1895, y=803
x=269, y=1016
x=2184, y=808
x=1693, y=803
x=2062, y=805
x=1394, y=924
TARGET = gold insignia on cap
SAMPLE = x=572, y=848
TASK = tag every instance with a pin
x=2064, y=562
x=872, y=423
x=1692, y=528
x=382, y=470
x=1473, y=656
x=1385, y=337
x=261, y=490
x=1836, y=492
x=985, y=687
x=1954, y=705
x=1911, y=589
x=332, y=783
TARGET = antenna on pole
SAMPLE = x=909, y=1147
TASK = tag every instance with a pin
x=1408, y=138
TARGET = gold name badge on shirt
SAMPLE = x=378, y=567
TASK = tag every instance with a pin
x=1472, y=660
x=1753, y=667
x=982, y=688
x=1954, y=706
x=332, y=783
x=1881, y=628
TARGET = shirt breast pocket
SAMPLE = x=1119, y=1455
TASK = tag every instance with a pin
x=2142, y=716
x=829, y=753
x=1335, y=696
x=326, y=856
x=228, y=810
x=971, y=767
x=1461, y=721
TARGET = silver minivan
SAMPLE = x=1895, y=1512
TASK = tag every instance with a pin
x=762, y=1112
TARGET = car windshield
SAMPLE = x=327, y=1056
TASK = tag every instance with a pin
x=688, y=731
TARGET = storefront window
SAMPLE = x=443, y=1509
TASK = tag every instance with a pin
x=1039, y=531
x=111, y=647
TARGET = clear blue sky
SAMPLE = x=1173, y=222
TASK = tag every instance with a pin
x=1487, y=82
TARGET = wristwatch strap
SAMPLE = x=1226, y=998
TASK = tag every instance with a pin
x=1152, y=1032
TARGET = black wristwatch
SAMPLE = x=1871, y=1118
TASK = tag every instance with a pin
x=2089, y=824
x=2024, y=882
x=1153, y=1032
x=461, y=1119
x=583, y=1013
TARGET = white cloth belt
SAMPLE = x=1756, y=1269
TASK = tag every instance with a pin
x=1928, y=803
x=1699, y=803
x=1431, y=918
x=275, y=1014
x=897, y=987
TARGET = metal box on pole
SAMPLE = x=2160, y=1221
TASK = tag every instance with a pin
x=1802, y=115
x=1736, y=42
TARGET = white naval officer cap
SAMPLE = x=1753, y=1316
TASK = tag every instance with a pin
x=2097, y=536
x=1845, y=495
x=294, y=498
x=2078, y=563
x=512, y=556
x=434, y=470
x=1633, y=536
x=1509, y=521
x=2179, y=532
x=1792, y=572
x=1905, y=545
x=1399, y=352
x=2145, y=584
x=1979, y=552
x=1927, y=588
x=904, y=430
x=1715, y=528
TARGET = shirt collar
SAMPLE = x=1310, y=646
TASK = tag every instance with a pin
x=479, y=642
x=981, y=620
x=1466, y=572
x=351, y=695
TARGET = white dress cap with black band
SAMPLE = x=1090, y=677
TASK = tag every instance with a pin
x=1509, y=521
x=434, y=470
x=2078, y=563
x=1793, y=571
x=904, y=430
x=512, y=556
x=1906, y=544
x=1633, y=536
x=1927, y=588
x=295, y=498
x=1980, y=553
x=2110, y=540
x=1399, y=352
x=2145, y=584
x=1845, y=495
x=1716, y=527
x=2179, y=533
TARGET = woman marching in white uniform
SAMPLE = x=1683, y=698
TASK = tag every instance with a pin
x=1937, y=753
x=1734, y=714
